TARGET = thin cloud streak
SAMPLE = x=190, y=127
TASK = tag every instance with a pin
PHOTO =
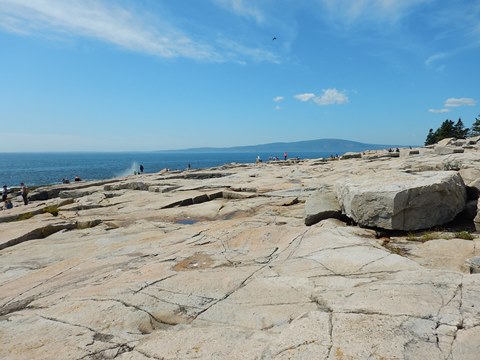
x=120, y=26
x=348, y=11
x=438, y=111
x=241, y=8
x=434, y=58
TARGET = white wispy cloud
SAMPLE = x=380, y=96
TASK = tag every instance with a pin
x=278, y=98
x=328, y=97
x=432, y=61
x=456, y=102
x=96, y=19
x=126, y=27
x=438, y=111
x=234, y=51
x=378, y=10
x=304, y=97
x=243, y=8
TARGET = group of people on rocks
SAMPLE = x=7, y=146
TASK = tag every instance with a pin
x=272, y=158
x=7, y=203
x=67, y=181
x=393, y=150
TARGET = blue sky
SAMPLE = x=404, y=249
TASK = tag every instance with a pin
x=115, y=75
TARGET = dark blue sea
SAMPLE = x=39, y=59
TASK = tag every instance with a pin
x=50, y=168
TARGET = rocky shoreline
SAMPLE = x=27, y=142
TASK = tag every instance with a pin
x=371, y=256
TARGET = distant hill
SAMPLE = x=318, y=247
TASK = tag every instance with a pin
x=321, y=145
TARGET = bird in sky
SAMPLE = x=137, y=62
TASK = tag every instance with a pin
x=274, y=38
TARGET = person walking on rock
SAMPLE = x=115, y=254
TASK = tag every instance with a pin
x=4, y=193
x=24, y=193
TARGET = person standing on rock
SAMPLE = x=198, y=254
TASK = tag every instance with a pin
x=285, y=155
x=4, y=193
x=24, y=192
x=141, y=168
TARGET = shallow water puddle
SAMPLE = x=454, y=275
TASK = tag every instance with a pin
x=186, y=221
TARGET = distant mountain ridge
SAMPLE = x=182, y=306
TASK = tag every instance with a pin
x=319, y=145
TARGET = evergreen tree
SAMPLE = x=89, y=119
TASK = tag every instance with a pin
x=430, y=138
x=475, y=130
x=449, y=129
x=460, y=132
x=446, y=130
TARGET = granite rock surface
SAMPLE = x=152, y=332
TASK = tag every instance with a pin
x=219, y=264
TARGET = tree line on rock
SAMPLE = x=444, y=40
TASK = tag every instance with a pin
x=450, y=129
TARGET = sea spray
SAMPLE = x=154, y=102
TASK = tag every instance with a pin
x=134, y=168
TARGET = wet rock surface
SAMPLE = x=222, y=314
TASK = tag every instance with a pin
x=222, y=266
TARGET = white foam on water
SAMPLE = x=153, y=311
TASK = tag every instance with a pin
x=135, y=167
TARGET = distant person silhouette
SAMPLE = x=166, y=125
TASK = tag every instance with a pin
x=4, y=193
x=141, y=168
x=24, y=192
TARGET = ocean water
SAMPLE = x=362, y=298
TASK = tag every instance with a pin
x=36, y=169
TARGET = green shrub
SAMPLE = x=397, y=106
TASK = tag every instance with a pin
x=24, y=216
x=412, y=236
x=423, y=237
x=465, y=235
x=52, y=210
x=427, y=236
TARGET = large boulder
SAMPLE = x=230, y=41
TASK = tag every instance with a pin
x=351, y=155
x=446, y=141
x=321, y=205
x=402, y=201
x=470, y=175
x=447, y=150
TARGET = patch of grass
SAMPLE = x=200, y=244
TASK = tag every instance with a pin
x=436, y=235
x=52, y=210
x=427, y=236
x=411, y=236
x=465, y=235
x=424, y=236
x=24, y=216
x=395, y=249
